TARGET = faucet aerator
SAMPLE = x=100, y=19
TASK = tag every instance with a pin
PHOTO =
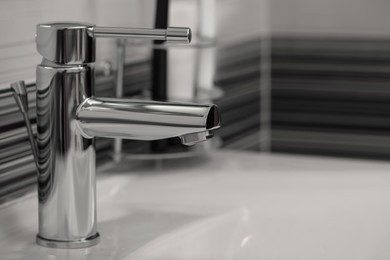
x=194, y=138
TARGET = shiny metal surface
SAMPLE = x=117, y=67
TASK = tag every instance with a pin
x=82, y=243
x=143, y=120
x=171, y=34
x=69, y=117
x=66, y=173
x=21, y=98
x=66, y=43
x=178, y=34
x=74, y=43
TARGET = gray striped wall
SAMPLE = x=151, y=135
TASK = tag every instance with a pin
x=17, y=167
x=17, y=170
x=331, y=96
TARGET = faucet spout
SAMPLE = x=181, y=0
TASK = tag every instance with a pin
x=146, y=120
x=69, y=117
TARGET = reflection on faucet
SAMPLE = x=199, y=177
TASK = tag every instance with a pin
x=69, y=117
x=144, y=120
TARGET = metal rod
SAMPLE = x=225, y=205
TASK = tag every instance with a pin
x=117, y=32
x=20, y=95
x=171, y=34
x=121, y=53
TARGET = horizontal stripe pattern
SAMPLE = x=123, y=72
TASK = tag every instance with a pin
x=331, y=96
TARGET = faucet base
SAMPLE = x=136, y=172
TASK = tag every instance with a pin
x=82, y=243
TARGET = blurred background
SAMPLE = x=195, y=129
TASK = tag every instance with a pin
x=330, y=77
x=291, y=76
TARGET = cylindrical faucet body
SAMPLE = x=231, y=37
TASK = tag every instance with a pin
x=66, y=174
x=69, y=117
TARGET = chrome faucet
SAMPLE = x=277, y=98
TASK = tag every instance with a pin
x=69, y=116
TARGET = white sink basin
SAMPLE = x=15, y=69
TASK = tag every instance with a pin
x=219, y=237
x=232, y=206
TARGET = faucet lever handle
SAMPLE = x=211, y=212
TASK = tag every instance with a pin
x=171, y=34
x=74, y=43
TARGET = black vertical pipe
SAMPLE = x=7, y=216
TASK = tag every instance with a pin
x=159, y=66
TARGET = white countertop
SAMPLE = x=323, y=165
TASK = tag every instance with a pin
x=290, y=207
